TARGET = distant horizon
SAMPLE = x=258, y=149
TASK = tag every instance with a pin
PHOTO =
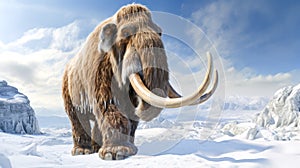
x=233, y=102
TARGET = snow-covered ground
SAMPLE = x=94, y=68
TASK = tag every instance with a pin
x=250, y=132
x=161, y=143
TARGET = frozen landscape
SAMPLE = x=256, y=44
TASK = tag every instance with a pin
x=248, y=122
x=243, y=137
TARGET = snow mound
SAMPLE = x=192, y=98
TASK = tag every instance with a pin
x=16, y=114
x=4, y=161
x=283, y=110
x=31, y=149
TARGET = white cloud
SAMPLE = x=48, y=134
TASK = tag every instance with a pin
x=35, y=62
x=246, y=83
x=65, y=38
x=235, y=82
x=33, y=34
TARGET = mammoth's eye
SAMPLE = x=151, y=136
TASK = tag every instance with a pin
x=128, y=30
x=126, y=33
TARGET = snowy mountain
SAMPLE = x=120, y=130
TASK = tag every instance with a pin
x=16, y=114
x=280, y=118
x=245, y=103
x=283, y=110
x=234, y=103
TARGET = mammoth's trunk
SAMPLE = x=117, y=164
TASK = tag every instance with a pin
x=149, y=62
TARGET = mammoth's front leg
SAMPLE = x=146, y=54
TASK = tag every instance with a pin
x=117, y=135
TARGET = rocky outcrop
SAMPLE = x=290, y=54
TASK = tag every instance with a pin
x=16, y=114
x=283, y=109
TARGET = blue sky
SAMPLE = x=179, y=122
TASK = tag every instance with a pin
x=267, y=40
x=258, y=40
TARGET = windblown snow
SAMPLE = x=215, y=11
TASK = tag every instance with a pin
x=254, y=136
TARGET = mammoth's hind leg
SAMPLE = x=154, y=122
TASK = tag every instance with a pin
x=96, y=138
x=81, y=132
x=81, y=129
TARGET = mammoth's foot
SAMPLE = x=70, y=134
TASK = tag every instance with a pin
x=81, y=151
x=117, y=152
x=95, y=148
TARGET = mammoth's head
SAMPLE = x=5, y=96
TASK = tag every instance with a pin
x=137, y=56
x=132, y=39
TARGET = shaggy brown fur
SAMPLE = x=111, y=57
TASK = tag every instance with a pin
x=96, y=86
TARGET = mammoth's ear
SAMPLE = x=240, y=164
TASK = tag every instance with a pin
x=107, y=37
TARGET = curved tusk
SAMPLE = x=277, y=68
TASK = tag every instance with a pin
x=172, y=93
x=163, y=102
x=207, y=95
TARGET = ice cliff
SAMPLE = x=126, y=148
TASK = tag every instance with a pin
x=283, y=109
x=16, y=114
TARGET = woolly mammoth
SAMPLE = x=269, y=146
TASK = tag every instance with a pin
x=120, y=76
